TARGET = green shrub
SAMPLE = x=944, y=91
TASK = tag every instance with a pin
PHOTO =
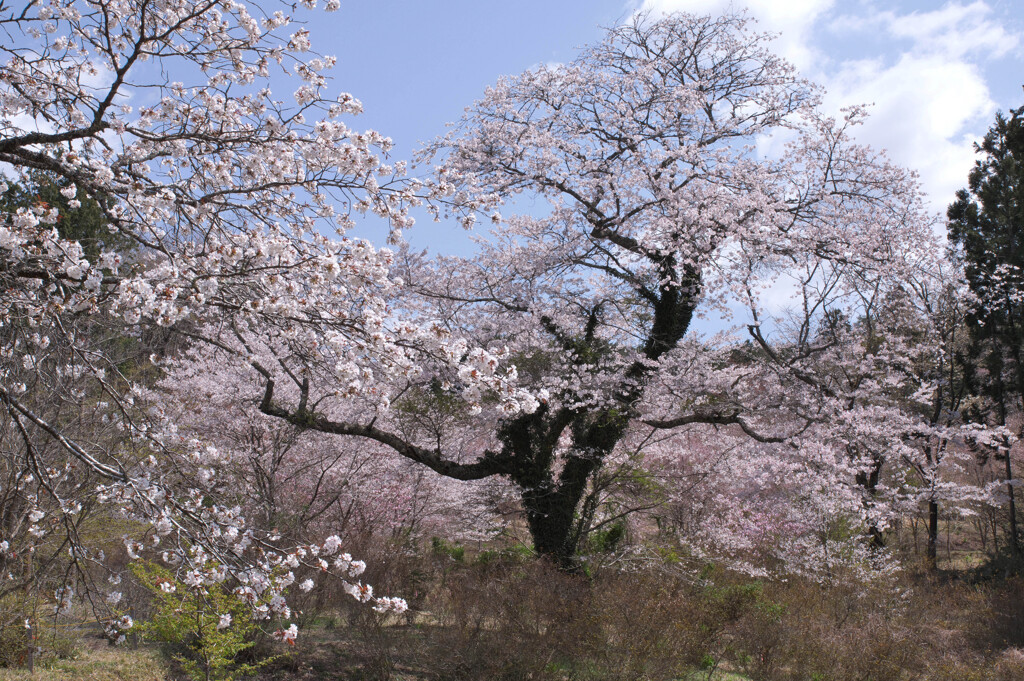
x=194, y=624
x=608, y=539
x=13, y=645
x=517, y=553
x=443, y=547
x=50, y=642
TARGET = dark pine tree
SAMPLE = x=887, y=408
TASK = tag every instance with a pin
x=986, y=229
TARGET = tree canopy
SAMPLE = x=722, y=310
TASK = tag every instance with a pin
x=657, y=204
x=175, y=252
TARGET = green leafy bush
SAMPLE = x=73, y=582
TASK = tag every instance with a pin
x=207, y=629
x=442, y=547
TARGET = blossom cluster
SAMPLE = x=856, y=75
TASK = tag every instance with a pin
x=209, y=202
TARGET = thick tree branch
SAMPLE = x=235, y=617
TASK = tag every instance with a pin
x=717, y=418
x=490, y=464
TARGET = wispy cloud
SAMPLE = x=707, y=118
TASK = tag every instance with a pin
x=955, y=30
x=793, y=20
x=923, y=72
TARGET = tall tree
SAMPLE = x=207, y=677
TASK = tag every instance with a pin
x=216, y=197
x=642, y=152
x=986, y=227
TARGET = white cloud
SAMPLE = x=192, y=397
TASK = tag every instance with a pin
x=792, y=19
x=931, y=102
x=955, y=30
x=924, y=75
x=923, y=104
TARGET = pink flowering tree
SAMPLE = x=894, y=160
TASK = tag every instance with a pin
x=302, y=482
x=220, y=206
x=684, y=170
x=852, y=424
x=937, y=469
x=891, y=399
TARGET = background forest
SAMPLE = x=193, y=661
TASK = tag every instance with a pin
x=714, y=396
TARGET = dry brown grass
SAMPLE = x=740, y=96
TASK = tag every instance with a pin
x=524, y=620
x=99, y=664
x=516, y=619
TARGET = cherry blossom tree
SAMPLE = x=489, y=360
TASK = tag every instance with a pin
x=895, y=396
x=217, y=198
x=307, y=484
x=929, y=328
x=875, y=408
x=684, y=170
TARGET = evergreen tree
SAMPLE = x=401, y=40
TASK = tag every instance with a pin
x=986, y=227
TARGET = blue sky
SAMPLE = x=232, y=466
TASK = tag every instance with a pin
x=936, y=72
